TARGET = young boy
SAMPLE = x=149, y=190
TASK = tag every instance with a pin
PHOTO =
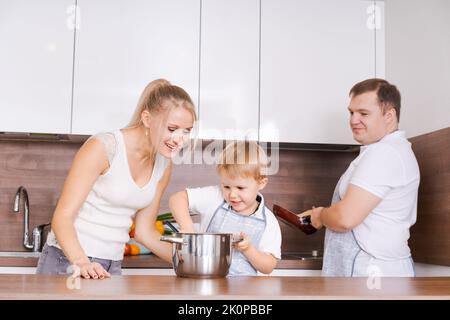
x=237, y=207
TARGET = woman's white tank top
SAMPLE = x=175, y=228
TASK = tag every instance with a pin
x=104, y=219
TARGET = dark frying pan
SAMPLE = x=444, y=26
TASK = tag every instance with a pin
x=302, y=223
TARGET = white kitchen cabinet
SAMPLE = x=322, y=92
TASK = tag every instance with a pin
x=380, y=35
x=36, y=56
x=229, y=69
x=312, y=53
x=121, y=46
x=417, y=52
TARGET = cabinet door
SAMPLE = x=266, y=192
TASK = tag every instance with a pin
x=229, y=69
x=380, y=48
x=36, y=59
x=312, y=53
x=121, y=46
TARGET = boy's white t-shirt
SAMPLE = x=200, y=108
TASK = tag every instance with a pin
x=206, y=200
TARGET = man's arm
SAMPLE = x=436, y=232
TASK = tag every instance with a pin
x=346, y=214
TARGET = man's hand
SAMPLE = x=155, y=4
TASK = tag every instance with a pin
x=315, y=216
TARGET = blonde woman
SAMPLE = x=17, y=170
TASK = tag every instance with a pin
x=115, y=176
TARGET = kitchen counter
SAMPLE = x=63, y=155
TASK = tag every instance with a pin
x=152, y=261
x=231, y=288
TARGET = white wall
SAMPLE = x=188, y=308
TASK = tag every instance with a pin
x=418, y=62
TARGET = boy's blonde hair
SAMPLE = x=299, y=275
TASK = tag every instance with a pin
x=243, y=159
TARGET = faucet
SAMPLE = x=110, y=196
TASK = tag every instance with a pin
x=37, y=231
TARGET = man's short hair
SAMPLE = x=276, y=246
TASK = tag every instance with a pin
x=388, y=94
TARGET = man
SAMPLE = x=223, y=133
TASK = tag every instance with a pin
x=375, y=200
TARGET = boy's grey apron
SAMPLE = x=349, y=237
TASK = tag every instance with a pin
x=225, y=220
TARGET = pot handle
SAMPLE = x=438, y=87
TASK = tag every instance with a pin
x=237, y=239
x=172, y=239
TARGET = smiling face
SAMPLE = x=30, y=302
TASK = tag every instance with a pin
x=169, y=131
x=367, y=121
x=241, y=192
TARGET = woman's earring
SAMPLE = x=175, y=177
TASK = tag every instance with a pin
x=146, y=132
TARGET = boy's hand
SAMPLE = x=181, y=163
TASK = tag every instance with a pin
x=244, y=244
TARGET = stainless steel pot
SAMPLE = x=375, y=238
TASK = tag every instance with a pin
x=201, y=255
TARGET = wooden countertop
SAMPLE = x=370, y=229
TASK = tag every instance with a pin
x=269, y=288
x=152, y=261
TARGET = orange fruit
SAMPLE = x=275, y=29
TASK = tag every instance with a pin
x=127, y=250
x=160, y=227
x=132, y=229
x=134, y=249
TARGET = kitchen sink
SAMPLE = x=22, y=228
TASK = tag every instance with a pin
x=19, y=254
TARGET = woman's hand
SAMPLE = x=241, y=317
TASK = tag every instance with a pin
x=315, y=216
x=90, y=270
x=243, y=244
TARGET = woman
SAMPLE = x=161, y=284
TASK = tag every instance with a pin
x=114, y=176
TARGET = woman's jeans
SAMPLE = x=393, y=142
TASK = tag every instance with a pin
x=53, y=261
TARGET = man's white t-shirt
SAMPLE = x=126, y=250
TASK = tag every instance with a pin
x=389, y=170
x=206, y=200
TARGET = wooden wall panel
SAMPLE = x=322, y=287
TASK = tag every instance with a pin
x=41, y=167
x=305, y=178
x=430, y=236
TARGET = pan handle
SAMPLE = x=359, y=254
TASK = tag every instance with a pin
x=172, y=239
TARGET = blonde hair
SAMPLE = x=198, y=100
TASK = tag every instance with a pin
x=161, y=96
x=243, y=159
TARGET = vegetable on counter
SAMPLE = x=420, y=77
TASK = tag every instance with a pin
x=133, y=247
x=132, y=230
x=160, y=227
x=165, y=216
